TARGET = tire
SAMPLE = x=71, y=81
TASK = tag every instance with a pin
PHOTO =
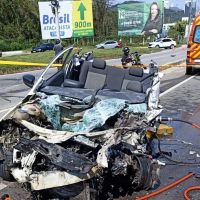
x=101, y=47
x=157, y=46
x=64, y=192
x=172, y=46
x=188, y=71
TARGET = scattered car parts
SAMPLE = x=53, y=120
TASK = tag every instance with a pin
x=76, y=136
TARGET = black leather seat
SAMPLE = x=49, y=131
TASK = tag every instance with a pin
x=129, y=84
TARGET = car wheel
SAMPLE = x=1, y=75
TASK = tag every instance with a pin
x=172, y=46
x=101, y=47
x=188, y=71
x=117, y=47
x=64, y=192
x=157, y=46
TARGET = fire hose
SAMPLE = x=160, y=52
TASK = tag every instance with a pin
x=186, y=192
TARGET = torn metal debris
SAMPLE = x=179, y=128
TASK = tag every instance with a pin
x=64, y=134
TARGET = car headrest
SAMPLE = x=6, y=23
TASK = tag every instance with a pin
x=99, y=64
x=135, y=86
x=136, y=71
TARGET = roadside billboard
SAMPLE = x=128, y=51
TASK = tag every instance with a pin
x=82, y=18
x=75, y=19
x=140, y=18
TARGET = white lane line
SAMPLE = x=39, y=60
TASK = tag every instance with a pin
x=2, y=186
x=174, y=87
x=1, y=111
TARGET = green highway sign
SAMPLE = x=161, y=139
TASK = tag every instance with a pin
x=82, y=10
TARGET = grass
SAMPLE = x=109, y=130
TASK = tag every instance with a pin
x=45, y=57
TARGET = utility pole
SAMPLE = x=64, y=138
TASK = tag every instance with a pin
x=55, y=7
x=163, y=15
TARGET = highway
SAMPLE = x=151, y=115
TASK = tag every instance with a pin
x=180, y=99
x=166, y=56
x=13, y=90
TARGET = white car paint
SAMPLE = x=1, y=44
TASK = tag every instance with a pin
x=110, y=44
x=163, y=43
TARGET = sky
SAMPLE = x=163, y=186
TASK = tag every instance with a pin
x=173, y=3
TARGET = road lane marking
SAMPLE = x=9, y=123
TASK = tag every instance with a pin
x=2, y=186
x=176, y=86
x=1, y=111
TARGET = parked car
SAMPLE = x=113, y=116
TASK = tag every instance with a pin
x=163, y=43
x=42, y=47
x=110, y=44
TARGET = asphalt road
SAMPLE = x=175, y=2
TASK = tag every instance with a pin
x=167, y=56
x=12, y=89
x=181, y=101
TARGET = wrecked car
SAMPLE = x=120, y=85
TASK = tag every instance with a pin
x=89, y=132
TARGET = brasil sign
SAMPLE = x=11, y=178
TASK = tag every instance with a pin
x=75, y=19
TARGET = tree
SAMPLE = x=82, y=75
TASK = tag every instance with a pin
x=105, y=18
x=19, y=20
x=178, y=30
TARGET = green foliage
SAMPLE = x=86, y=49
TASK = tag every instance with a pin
x=19, y=22
x=105, y=19
x=20, y=25
x=172, y=16
x=45, y=57
x=10, y=45
x=3, y=45
x=178, y=30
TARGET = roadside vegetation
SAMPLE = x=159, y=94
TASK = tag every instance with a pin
x=45, y=57
x=20, y=30
x=20, y=25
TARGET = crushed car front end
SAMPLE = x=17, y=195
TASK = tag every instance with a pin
x=68, y=133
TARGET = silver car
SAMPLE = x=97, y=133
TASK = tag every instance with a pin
x=109, y=44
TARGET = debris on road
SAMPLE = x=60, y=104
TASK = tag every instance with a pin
x=60, y=144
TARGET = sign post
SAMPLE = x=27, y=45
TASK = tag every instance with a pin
x=55, y=6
